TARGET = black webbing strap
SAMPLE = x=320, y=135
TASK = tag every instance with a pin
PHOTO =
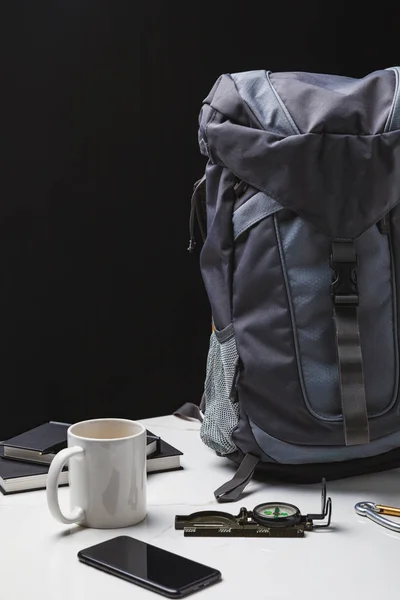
x=189, y=411
x=231, y=490
x=345, y=301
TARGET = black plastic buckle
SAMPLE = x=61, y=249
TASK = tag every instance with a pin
x=344, y=287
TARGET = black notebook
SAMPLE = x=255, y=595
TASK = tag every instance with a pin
x=25, y=458
x=167, y=458
x=18, y=476
x=39, y=445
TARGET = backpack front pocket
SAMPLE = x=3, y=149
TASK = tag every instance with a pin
x=283, y=315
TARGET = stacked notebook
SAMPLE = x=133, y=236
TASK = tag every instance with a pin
x=25, y=458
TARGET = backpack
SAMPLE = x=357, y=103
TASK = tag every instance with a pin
x=298, y=211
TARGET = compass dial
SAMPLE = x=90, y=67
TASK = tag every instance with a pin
x=276, y=514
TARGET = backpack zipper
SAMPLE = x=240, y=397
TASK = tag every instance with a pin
x=384, y=224
x=195, y=214
x=235, y=379
x=192, y=241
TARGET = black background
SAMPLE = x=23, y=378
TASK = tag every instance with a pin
x=102, y=310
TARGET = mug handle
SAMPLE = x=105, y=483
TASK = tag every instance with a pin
x=55, y=469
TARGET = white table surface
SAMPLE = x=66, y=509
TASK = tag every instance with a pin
x=355, y=559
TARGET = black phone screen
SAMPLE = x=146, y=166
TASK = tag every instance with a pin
x=145, y=564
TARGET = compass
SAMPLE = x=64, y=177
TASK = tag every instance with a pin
x=269, y=519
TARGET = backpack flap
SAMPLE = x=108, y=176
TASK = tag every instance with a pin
x=342, y=172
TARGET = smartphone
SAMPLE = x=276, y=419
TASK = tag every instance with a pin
x=148, y=566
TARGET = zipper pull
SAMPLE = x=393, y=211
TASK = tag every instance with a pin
x=192, y=245
x=384, y=225
x=240, y=187
x=194, y=212
x=192, y=241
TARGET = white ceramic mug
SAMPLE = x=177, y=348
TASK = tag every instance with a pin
x=107, y=474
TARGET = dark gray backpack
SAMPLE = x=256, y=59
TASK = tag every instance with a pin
x=299, y=213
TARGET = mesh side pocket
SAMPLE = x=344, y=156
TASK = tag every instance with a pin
x=221, y=414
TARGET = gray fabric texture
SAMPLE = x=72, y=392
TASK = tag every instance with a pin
x=313, y=172
x=377, y=314
x=306, y=255
x=216, y=254
x=256, y=89
x=306, y=260
x=393, y=120
x=307, y=252
x=332, y=103
x=256, y=208
x=285, y=453
x=269, y=387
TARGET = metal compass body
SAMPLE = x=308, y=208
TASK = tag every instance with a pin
x=270, y=519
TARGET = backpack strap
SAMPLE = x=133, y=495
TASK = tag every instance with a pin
x=232, y=489
x=344, y=291
x=189, y=410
